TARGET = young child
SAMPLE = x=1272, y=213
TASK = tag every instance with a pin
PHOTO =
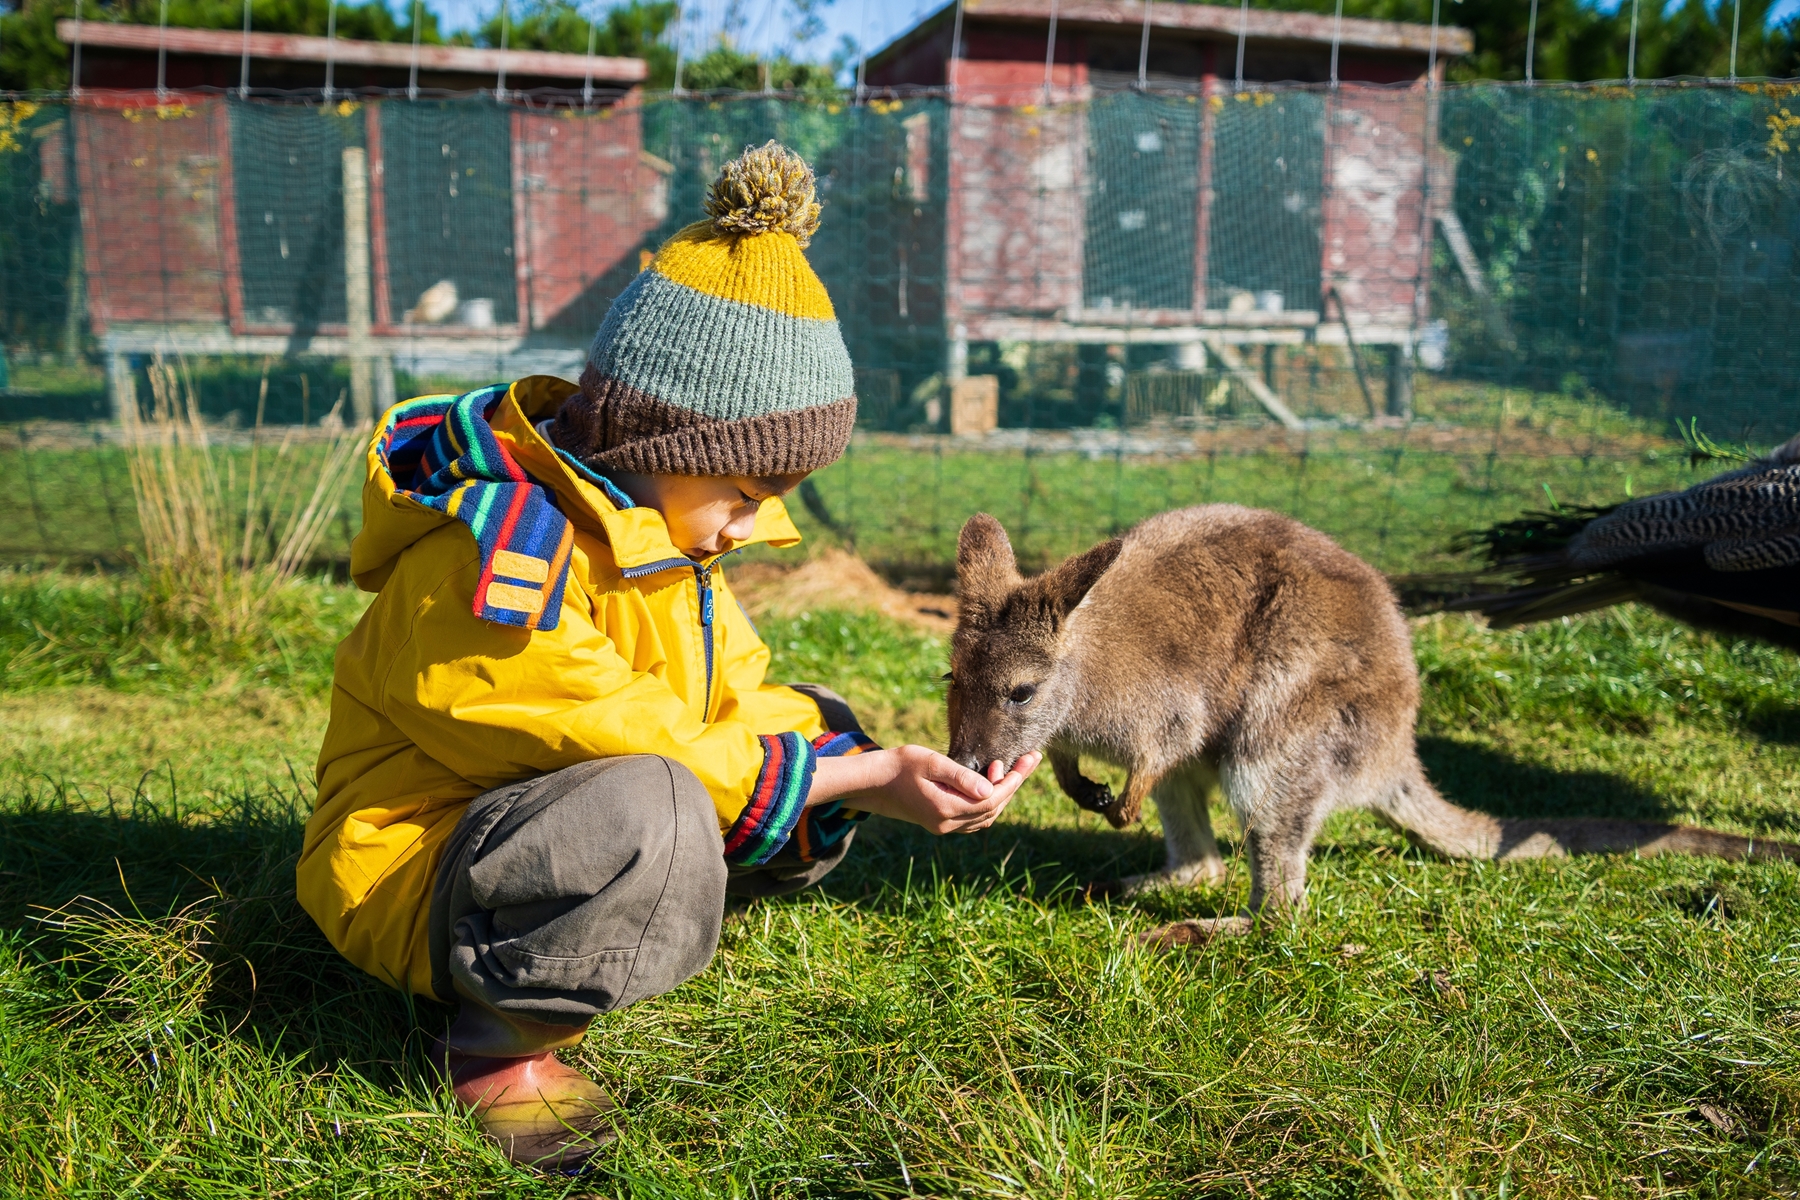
x=552, y=754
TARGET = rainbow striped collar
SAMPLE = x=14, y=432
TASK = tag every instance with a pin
x=441, y=452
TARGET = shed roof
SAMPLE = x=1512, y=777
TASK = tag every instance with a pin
x=1261, y=25
x=225, y=43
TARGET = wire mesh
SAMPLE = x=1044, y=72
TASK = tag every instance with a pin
x=1466, y=301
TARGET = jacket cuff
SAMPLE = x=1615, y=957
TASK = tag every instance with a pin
x=842, y=745
x=824, y=826
x=777, y=801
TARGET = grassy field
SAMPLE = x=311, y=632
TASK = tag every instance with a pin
x=1474, y=455
x=945, y=1016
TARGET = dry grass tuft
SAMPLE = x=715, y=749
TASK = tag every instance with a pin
x=837, y=580
x=211, y=567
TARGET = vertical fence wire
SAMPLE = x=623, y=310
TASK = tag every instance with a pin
x=1531, y=43
x=1144, y=51
x=1216, y=457
x=244, y=62
x=162, y=52
x=330, y=43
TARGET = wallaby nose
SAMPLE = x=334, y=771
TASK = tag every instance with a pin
x=973, y=762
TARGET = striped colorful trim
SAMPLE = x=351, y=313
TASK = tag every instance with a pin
x=842, y=745
x=776, y=803
x=441, y=451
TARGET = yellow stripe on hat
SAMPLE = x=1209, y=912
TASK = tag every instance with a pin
x=768, y=270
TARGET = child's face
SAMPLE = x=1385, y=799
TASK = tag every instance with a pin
x=706, y=513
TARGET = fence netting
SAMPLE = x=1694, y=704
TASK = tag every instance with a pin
x=1393, y=313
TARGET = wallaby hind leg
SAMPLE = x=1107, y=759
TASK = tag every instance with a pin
x=1280, y=823
x=1277, y=878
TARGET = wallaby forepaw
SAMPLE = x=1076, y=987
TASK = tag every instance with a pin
x=1119, y=811
x=1094, y=797
x=1178, y=934
x=1123, y=811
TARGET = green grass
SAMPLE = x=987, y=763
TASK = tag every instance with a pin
x=1475, y=455
x=944, y=1016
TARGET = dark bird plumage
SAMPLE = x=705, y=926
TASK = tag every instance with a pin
x=1722, y=555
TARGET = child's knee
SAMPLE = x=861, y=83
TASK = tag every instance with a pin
x=597, y=886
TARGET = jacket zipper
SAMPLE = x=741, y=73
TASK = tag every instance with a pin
x=703, y=578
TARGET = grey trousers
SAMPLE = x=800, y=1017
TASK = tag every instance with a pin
x=582, y=891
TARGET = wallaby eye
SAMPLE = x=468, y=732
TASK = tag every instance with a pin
x=1022, y=694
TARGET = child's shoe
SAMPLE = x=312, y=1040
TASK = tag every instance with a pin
x=540, y=1111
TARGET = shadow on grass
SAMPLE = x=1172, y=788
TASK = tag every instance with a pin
x=275, y=977
x=272, y=977
x=1489, y=781
x=1055, y=864
x=1778, y=725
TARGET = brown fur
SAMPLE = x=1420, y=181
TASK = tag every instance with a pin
x=1225, y=646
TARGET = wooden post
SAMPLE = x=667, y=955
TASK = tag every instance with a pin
x=1203, y=202
x=356, y=284
x=975, y=405
x=121, y=388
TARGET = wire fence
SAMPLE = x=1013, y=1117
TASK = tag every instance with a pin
x=1395, y=313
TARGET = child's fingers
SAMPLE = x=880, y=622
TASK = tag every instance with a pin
x=1015, y=779
x=986, y=812
x=970, y=783
x=948, y=773
x=956, y=798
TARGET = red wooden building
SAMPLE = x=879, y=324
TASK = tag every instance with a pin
x=1124, y=171
x=213, y=225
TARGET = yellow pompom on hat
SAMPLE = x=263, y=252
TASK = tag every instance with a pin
x=724, y=357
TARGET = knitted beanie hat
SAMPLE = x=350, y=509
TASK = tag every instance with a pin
x=724, y=356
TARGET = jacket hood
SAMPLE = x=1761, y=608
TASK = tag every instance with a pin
x=394, y=519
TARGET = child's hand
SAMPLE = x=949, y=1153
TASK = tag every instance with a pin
x=912, y=783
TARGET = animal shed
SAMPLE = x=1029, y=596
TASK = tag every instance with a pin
x=1114, y=177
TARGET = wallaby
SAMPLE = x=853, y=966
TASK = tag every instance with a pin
x=1230, y=646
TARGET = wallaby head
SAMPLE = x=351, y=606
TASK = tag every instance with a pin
x=1009, y=693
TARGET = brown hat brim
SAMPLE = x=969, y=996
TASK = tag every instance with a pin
x=648, y=436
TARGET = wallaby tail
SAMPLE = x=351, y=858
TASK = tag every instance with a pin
x=1434, y=823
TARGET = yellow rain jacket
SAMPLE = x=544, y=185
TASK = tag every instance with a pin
x=432, y=706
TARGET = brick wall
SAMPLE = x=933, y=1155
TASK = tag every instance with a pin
x=150, y=209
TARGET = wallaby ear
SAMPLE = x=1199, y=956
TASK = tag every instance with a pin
x=1068, y=584
x=985, y=568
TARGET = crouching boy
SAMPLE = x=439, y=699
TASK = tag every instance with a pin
x=552, y=754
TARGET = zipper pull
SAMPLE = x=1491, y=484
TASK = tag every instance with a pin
x=706, y=598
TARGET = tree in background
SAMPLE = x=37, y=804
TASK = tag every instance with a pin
x=31, y=57
x=724, y=68
x=631, y=30
x=638, y=29
x=1577, y=41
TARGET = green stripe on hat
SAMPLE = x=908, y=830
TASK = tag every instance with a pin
x=721, y=358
